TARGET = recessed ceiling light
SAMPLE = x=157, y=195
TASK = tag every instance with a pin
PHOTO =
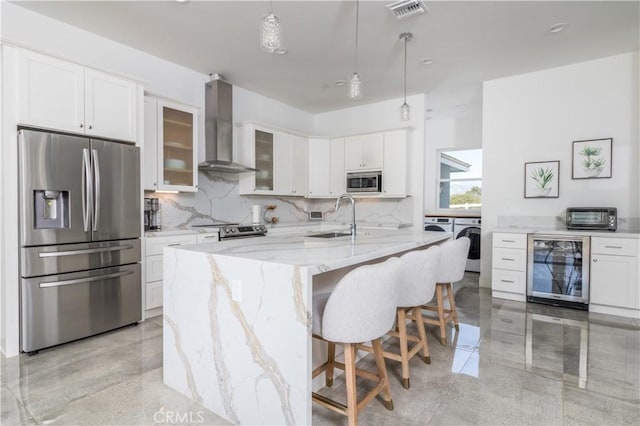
x=281, y=51
x=183, y=1
x=556, y=28
x=426, y=61
x=340, y=82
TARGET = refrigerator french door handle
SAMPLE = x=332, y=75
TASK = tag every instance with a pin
x=86, y=188
x=96, y=184
x=87, y=251
x=84, y=280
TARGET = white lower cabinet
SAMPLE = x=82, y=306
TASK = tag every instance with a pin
x=154, y=263
x=509, y=268
x=614, y=276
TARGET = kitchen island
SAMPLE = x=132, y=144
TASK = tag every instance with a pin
x=237, y=317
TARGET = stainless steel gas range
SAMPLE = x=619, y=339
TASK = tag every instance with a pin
x=228, y=231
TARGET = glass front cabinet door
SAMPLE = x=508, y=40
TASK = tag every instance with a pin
x=177, y=147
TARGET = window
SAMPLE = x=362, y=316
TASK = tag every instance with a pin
x=460, y=179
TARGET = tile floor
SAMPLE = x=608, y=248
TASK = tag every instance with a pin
x=510, y=363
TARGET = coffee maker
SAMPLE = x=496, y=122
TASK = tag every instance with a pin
x=151, y=208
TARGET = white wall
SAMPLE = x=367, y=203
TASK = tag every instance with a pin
x=383, y=116
x=536, y=116
x=462, y=132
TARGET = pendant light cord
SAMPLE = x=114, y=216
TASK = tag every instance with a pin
x=405, y=69
x=357, y=19
x=270, y=7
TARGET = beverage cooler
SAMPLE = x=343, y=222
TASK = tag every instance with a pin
x=558, y=270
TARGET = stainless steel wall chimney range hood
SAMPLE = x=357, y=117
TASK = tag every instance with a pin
x=218, y=128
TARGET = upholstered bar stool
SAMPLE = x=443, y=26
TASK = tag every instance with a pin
x=415, y=285
x=360, y=308
x=450, y=270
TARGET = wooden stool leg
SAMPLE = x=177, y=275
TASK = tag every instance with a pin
x=417, y=318
x=382, y=371
x=331, y=357
x=350, y=377
x=452, y=305
x=404, y=347
x=443, y=333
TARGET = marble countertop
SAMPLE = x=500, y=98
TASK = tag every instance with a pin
x=324, y=253
x=564, y=231
x=320, y=225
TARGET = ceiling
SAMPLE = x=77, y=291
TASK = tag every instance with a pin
x=469, y=42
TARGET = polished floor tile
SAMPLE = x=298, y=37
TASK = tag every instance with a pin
x=510, y=363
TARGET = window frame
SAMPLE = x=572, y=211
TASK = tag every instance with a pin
x=439, y=181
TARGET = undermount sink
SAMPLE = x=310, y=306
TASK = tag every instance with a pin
x=331, y=235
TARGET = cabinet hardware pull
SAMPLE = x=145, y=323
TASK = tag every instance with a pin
x=90, y=126
x=595, y=260
x=613, y=247
x=81, y=125
x=508, y=241
x=174, y=244
x=507, y=281
x=506, y=258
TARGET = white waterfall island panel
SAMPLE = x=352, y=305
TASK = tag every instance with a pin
x=237, y=318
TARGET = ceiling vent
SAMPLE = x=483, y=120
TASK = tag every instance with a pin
x=405, y=9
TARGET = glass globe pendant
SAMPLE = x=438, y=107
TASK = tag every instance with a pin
x=405, y=112
x=355, y=82
x=270, y=34
x=405, y=108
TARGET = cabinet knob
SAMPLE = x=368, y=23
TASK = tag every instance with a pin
x=90, y=126
x=595, y=260
x=81, y=125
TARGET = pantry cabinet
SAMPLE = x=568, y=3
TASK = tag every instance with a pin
x=61, y=95
x=170, y=146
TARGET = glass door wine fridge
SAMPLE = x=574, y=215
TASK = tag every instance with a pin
x=558, y=270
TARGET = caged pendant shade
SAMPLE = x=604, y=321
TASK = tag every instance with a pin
x=270, y=34
x=355, y=82
x=405, y=109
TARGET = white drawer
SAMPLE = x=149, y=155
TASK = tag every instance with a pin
x=154, y=295
x=511, y=259
x=614, y=246
x=207, y=238
x=517, y=241
x=509, y=281
x=154, y=245
x=153, y=268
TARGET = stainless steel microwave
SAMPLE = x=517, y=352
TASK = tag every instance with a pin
x=605, y=218
x=364, y=182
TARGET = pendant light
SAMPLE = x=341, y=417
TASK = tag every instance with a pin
x=355, y=82
x=405, y=109
x=270, y=35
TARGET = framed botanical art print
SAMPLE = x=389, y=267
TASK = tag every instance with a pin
x=541, y=179
x=592, y=159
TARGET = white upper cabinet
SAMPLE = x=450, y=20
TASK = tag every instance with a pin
x=51, y=92
x=61, y=95
x=150, y=145
x=281, y=159
x=394, y=173
x=326, y=168
x=364, y=152
x=319, y=160
x=109, y=106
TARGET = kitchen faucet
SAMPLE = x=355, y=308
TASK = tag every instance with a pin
x=353, y=213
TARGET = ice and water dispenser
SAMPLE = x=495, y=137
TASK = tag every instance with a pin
x=51, y=209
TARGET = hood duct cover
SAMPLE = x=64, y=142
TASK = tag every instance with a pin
x=218, y=129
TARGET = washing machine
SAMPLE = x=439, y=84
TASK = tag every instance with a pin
x=440, y=224
x=469, y=227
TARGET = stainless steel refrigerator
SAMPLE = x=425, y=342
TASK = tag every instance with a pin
x=80, y=237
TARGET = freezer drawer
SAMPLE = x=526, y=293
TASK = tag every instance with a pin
x=48, y=260
x=60, y=308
